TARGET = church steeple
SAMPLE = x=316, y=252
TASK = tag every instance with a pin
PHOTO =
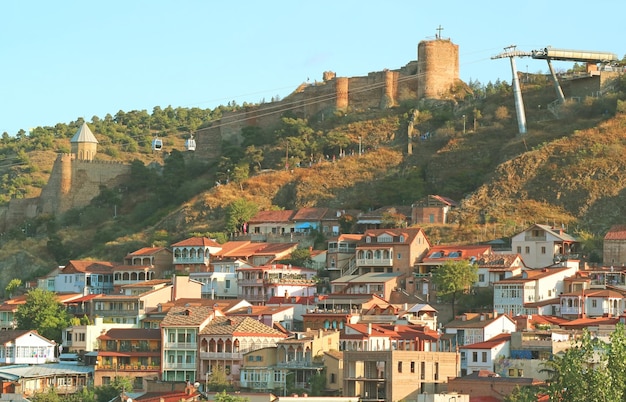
x=84, y=144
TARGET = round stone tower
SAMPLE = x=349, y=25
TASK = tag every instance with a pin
x=437, y=67
x=84, y=144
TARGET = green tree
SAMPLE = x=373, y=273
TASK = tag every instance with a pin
x=590, y=371
x=44, y=313
x=300, y=257
x=224, y=397
x=454, y=278
x=523, y=394
x=13, y=285
x=217, y=380
x=239, y=212
x=118, y=385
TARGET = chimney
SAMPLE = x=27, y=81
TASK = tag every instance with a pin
x=369, y=329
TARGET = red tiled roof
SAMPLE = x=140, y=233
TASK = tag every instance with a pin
x=616, y=232
x=308, y=214
x=240, y=326
x=272, y=216
x=88, y=266
x=197, y=241
x=146, y=251
x=132, y=334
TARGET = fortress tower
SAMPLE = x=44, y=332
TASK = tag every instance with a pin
x=437, y=67
x=84, y=144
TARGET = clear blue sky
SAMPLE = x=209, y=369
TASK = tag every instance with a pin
x=62, y=60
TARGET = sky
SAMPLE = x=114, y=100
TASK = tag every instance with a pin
x=63, y=60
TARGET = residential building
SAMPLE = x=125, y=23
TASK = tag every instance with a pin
x=377, y=218
x=432, y=209
x=131, y=274
x=493, y=268
x=128, y=352
x=20, y=346
x=159, y=258
x=258, y=284
x=28, y=380
x=266, y=224
x=81, y=339
x=180, y=329
x=341, y=255
x=614, y=246
x=308, y=219
x=220, y=282
x=470, y=328
x=334, y=311
x=482, y=355
x=381, y=284
x=542, y=245
x=194, y=254
x=258, y=372
x=281, y=315
x=515, y=295
x=333, y=361
x=224, y=340
x=301, y=306
x=592, y=303
x=390, y=250
x=85, y=277
x=438, y=255
x=395, y=375
x=481, y=385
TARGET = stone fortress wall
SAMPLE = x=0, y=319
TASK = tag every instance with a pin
x=76, y=178
x=432, y=76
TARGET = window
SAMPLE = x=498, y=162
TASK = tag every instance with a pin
x=527, y=250
x=519, y=249
x=481, y=277
x=412, y=367
x=399, y=367
x=399, y=256
x=333, y=379
x=594, y=303
x=423, y=370
x=484, y=357
x=543, y=249
x=474, y=356
x=227, y=284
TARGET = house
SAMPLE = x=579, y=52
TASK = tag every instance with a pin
x=257, y=372
x=333, y=361
x=438, y=255
x=482, y=355
x=389, y=215
x=180, y=330
x=220, y=282
x=470, y=328
x=301, y=306
x=334, y=311
x=493, y=268
x=542, y=245
x=614, y=246
x=592, y=303
x=432, y=209
x=341, y=255
x=130, y=274
x=159, y=258
x=308, y=219
x=394, y=375
x=224, y=340
x=379, y=283
x=257, y=284
x=517, y=294
x=19, y=346
x=194, y=254
x=303, y=354
x=82, y=339
x=486, y=385
x=128, y=352
x=28, y=380
x=85, y=277
x=270, y=224
x=419, y=314
x=390, y=250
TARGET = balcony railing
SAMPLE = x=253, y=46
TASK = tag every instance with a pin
x=180, y=345
x=221, y=355
x=179, y=366
x=377, y=262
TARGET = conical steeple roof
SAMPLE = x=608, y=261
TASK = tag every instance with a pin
x=84, y=134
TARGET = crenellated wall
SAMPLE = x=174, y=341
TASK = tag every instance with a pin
x=432, y=76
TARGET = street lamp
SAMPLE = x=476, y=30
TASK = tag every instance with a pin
x=463, y=124
x=285, y=386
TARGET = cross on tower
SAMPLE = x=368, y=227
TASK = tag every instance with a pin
x=439, y=29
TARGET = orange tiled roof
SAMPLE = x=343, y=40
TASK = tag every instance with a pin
x=239, y=326
x=88, y=266
x=283, y=216
x=490, y=343
x=616, y=232
x=197, y=241
x=187, y=316
x=146, y=251
x=308, y=214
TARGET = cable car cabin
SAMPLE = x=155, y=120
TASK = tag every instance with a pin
x=190, y=144
x=157, y=144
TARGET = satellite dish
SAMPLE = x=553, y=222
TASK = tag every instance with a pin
x=196, y=384
x=129, y=400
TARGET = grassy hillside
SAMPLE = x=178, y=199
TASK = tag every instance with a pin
x=565, y=171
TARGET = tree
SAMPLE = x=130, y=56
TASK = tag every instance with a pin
x=118, y=385
x=217, y=380
x=591, y=370
x=224, y=397
x=44, y=313
x=13, y=285
x=239, y=212
x=453, y=278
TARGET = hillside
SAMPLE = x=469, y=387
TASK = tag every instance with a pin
x=567, y=171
